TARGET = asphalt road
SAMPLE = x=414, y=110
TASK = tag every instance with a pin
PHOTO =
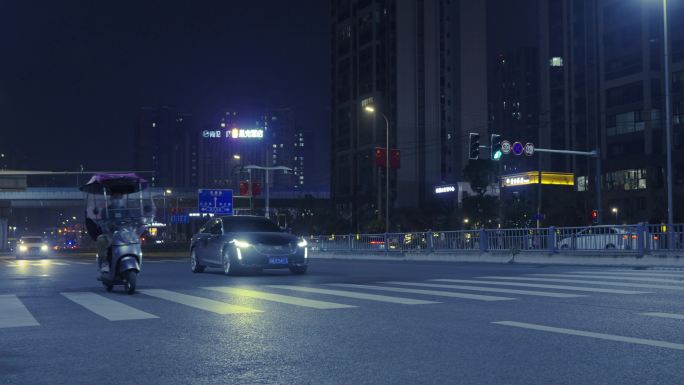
x=520, y=325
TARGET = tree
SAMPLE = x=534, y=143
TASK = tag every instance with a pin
x=480, y=209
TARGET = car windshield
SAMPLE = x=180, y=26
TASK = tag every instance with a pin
x=31, y=239
x=249, y=224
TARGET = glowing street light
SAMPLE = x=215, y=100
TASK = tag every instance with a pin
x=236, y=157
x=371, y=110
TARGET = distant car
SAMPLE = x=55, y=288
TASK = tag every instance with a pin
x=32, y=246
x=600, y=237
x=240, y=243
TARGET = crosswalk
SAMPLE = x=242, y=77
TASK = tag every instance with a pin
x=339, y=296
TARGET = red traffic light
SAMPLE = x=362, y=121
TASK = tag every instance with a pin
x=380, y=157
x=395, y=159
x=594, y=214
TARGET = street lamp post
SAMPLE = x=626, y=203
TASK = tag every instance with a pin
x=615, y=211
x=668, y=122
x=267, y=169
x=371, y=109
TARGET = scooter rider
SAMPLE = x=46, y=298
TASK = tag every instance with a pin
x=104, y=240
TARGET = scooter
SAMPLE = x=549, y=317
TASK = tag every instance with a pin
x=124, y=257
x=121, y=225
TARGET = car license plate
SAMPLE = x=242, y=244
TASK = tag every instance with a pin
x=277, y=261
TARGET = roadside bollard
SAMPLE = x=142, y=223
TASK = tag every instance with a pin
x=552, y=239
x=642, y=246
x=483, y=240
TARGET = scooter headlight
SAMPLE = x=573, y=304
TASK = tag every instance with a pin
x=302, y=243
x=23, y=248
x=44, y=248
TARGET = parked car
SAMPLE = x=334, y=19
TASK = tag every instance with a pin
x=32, y=246
x=600, y=237
x=239, y=243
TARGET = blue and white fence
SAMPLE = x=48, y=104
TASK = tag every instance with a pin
x=640, y=239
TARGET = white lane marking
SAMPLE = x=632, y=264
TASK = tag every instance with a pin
x=59, y=263
x=643, y=273
x=198, y=302
x=559, y=287
x=490, y=289
x=278, y=298
x=107, y=308
x=615, y=278
x=83, y=263
x=581, y=333
x=665, y=315
x=148, y=261
x=13, y=313
x=628, y=284
x=426, y=292
x=357, y=295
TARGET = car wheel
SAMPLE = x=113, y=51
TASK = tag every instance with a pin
x=298, y=270
x=194, y=264
x=610, y=246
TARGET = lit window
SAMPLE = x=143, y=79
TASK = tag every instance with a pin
x=275, y=146
x=301, y=182
x=281, y=145
x=223, y=124
x=154, y=124
x=556, y=61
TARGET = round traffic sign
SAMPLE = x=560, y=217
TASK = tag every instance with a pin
x=517, y=148
x=529, y=149
x=506, y=147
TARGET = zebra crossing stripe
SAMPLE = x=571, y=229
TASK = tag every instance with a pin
x=13, y=313
x=560, y=280
x=353, y=294
x=488, y=289
x=643, y=273
x=615, y=278
x=279, y=298
x=665, y=315
x=525, y=284
x=107, y=308
x=198, y=302
x=581, y=333
x=426, y=292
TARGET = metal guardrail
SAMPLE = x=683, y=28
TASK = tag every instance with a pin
x=640, y=239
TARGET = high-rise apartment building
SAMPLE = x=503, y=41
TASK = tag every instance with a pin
x=421, y=63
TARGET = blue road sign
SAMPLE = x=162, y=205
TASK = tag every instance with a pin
x=215, y=201
x=180, y=218
x=518, y=148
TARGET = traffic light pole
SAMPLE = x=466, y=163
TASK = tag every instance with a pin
x=595, y=154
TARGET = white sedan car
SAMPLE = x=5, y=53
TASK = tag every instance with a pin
x=600, y=237
x=32, y=246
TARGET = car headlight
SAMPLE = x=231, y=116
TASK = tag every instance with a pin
x=23, y=248
x=240, y=244
x=302, y=243
x=44, y=247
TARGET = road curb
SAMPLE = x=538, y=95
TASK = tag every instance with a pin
x=603, y=259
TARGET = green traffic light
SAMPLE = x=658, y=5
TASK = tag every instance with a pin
x=497, y=155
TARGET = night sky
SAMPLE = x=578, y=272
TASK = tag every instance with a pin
x=73, y=74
